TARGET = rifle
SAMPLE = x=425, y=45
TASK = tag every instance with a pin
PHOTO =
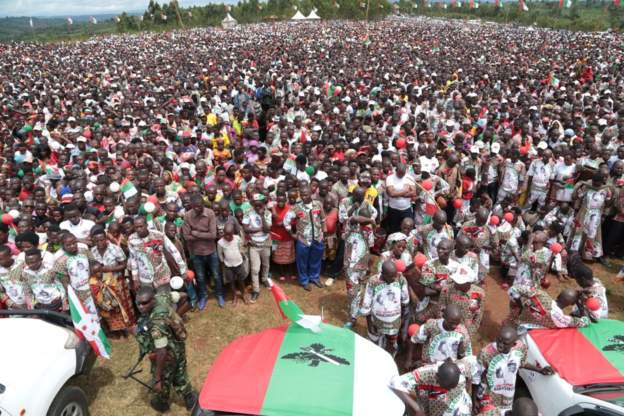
x=133, y=372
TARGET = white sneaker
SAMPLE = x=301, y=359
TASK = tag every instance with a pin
x=329, y=282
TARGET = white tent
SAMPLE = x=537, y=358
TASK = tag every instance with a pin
x=228, y=22
x=298, y=16
x=313, y=16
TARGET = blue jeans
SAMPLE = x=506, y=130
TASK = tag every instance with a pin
x=309, y=260
x=201, y=264
x=191, y=292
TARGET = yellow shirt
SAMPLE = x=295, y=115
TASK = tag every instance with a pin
x=370, y=194
x=211, y=119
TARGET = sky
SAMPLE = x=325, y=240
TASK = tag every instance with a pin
x=45, y=8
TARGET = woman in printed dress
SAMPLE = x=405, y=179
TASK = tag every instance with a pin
x=594, y=197
x=283, y=243
x=109, y=288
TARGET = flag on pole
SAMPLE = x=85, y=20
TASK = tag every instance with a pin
x=476, y=4
x=93, y=20
x=459, y=4
x=290, y=310
x=445, y=5
x=87, y=325
x=128, y=190
x=471, y=5
x=70, y=21
x=431, y=206
x=616, y=3
x=163, y=16
x=568, y=4
x=31, y=23
x=561, y=4
x=497, y=3
x=523, y=6
x=117, y=19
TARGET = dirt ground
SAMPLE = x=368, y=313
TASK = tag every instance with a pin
x=212, y=329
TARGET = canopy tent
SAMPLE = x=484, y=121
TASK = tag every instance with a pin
x=298, y=16
x=313, y=16
x=228, y=22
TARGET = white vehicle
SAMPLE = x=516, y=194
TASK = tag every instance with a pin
x=589, y=370
x=39, y=358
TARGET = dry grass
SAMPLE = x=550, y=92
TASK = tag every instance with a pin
x=211, y=330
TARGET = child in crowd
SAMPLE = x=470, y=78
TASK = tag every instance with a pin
x=229, y=249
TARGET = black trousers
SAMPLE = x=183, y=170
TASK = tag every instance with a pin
x=613, y=240
x=394, y=217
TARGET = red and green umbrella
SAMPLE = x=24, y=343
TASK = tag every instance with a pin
x=596, y=351
x=311, y=370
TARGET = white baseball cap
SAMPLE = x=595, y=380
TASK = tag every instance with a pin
x=464, y=274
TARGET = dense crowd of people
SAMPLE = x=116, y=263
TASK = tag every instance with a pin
x=404, y=157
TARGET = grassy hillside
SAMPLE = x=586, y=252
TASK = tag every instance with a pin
x=588, y=15
x=582, y=16
x=53, y=28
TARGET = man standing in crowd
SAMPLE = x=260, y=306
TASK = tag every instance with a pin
x=200, y=233
x=309, y=219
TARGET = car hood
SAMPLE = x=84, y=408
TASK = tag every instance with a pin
x=29, y=350
x=583, y=356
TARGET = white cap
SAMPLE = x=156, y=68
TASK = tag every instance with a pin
x=71, y=119
x=463, y=275
x=542, y=145
x=176, y=283
x=474, y=149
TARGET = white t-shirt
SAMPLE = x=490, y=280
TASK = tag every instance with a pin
x=565, y=173
x=429, y=164
x=253, y=219
x=541, y=173
x=80, y=230
x=399, y=184
x=232, y=256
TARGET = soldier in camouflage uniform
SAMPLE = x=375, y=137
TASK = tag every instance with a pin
x=161, y=336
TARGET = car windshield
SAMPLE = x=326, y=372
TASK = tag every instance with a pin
x=612, y=393
x=599, y=387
